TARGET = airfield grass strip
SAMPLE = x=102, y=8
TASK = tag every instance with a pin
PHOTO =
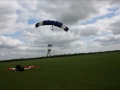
x=81, y=72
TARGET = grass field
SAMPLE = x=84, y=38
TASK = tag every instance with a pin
x=83, y=72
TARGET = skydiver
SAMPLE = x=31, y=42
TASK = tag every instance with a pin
x=48, y=53
x=19, y=68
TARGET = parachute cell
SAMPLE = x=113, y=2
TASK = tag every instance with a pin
x=49, y=45
x=50, y=22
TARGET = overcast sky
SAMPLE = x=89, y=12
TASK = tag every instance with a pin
x=94, y=25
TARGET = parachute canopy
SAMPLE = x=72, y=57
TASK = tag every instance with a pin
x=49, y=45
x=51, y=22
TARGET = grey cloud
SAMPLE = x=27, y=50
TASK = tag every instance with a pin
x=59, y=39
x=85, y=30
x=115, y=2
x=108, y=40
x=78, y=10
x=7, y=16
x=115, y=27
x=68, y=11
x=89, y=32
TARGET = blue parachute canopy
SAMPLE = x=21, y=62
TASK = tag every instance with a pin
x=49, y=45
x=53, y=23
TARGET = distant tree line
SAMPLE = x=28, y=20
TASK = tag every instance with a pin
x=62, y=55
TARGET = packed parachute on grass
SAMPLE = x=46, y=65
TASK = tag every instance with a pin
x=19, y=68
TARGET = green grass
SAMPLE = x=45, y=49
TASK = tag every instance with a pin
x=84, y=72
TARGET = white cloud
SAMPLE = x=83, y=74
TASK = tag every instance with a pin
x=8, y=42
x=8, y=16
x=102, y=34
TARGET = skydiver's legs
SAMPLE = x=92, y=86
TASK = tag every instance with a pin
x=48, y=54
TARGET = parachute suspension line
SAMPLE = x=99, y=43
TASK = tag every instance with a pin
x=52, y=28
